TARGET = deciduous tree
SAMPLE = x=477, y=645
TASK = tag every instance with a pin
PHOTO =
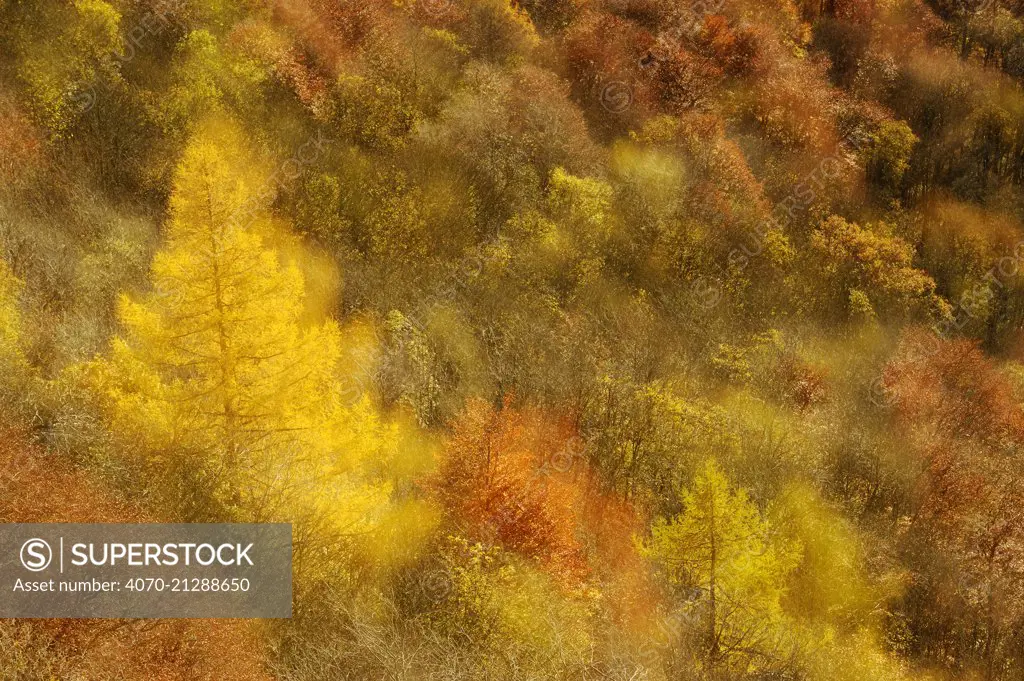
x=721, y=550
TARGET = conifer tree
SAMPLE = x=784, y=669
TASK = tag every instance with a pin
x=215, y=362
x=721, y=551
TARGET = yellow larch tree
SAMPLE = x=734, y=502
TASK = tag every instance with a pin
x=722, y=550
x=216, y=364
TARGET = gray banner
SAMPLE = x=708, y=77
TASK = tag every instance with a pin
x=146, y=570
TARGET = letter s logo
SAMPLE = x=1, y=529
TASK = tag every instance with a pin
x=36, y=555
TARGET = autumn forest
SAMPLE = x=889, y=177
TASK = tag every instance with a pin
x=625, y=340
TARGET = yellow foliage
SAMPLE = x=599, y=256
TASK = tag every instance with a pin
x=735, y=566
x=216, y=362
x=518, y=614
x=869, y=265
x=831, y=584
x=10, y=318
x=61, y=70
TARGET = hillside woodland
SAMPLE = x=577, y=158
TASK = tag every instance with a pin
x=578, y=339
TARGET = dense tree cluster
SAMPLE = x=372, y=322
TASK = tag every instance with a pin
x=578, y=339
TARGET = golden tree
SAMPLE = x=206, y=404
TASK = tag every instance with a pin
x=721, y=549
x=215, y=360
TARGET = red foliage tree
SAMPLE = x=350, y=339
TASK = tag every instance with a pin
x=965, y=427
x=507, y=476
x=36, y=487
x=737, y=51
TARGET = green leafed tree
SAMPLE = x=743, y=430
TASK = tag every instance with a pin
x=889, y=157
x=65, y=51
x=724, y=555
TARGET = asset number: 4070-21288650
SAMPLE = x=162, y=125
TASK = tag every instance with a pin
x=187, y=584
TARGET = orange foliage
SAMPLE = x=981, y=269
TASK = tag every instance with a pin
x=311, y=30
x=738, y=51
x=602, y=51
x=962, y=420
x=330, y=31
x=353, y=21
x=803, y=383
x=685, y=81
x=518, y=477
x=36, y=487
x=611, y=523
x=19, y=141
x=508, y=475
x=290, y=65
x=953, y=385
x=859, y=11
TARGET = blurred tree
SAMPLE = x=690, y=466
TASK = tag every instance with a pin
x=65, y=52
x=888, y=157
x=964, y=425
x=867, y=270
x=501, y=479
x=721, y=548
x=16, y=387
x=11, y=356
x=216, y=363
